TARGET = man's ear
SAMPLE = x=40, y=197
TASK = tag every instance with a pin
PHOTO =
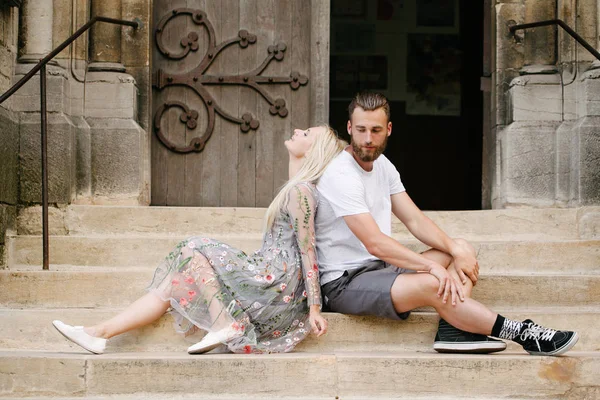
x=389, y=128
x=349, y=127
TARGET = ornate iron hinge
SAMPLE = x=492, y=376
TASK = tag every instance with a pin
x=197, y=80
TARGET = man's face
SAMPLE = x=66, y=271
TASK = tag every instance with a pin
x=369, y=132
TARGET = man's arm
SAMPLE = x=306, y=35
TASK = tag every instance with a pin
x=429, y=233
x=382, y=246
x=391, y=251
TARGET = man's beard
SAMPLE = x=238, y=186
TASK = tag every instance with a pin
x=363, y=155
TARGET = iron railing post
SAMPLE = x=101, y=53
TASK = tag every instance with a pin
x=44, y=129
x=41, y=67
x=563, y=25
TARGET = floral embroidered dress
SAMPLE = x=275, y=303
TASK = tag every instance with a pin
x=265, y=295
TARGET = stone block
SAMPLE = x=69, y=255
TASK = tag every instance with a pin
x=539, y=43
x=110, y=95
x=83, y=156
x=589, y=103
x=564, y=135
x=135, y=45
x=29, y=221
x=46, y=374
x=119, y=162
x=8, y=219
x=589, y=222
x=509, y=49
x=142, y=79
x=61, y=159
x=501, y=80
x=536, y=98
x=587, y=161
x=27, y=98
x=528, y=163
x=9, y=157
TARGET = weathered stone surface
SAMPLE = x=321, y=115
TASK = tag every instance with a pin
x=384, y=374
x=589, y=103
x=528, y=163
x=36, y=30
x=8, y=219
x=83, y=156
x=509, y=50
x=9, y=156
x=30, y=220
x=119, y=287
x=119, y=162
x=536, y=98
x=348, y=375
x=589, y=222
x=31, y=329
x=516, y=223
x=110, y=95
x=540, y=43
x=27, y=98
x=585, y=169
x=564, y=141
x=61, y=159
x=123, y=251
x=41, y=374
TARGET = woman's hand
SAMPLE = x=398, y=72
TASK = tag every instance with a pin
x=448, y=286
x=317, y=322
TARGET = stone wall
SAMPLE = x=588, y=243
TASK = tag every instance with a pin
x=544, y=143
x=9, y=129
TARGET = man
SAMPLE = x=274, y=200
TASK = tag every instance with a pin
x=366, y=272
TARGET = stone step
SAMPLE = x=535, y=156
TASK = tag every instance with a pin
x=120, y=286
x=575, y=256
x=519, y=224
x=368, y=374
x=31, y=329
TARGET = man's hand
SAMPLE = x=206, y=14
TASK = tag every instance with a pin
x=317, y=322
x=466, y=265
x=448, y=286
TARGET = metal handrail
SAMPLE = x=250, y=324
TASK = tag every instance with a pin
x=563, y=25
x=41, y=67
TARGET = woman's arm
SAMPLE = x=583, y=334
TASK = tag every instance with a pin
x=301, y=208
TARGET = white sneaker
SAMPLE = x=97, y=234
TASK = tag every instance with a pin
x=77, y=335
x=213, y=340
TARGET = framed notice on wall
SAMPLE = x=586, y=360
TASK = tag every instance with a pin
x=436, y=13
x=348, y=8
x=350, y=74
x=433, y=74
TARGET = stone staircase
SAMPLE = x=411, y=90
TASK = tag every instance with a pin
x=537, y=263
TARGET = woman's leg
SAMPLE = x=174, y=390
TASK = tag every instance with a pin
x=141, y=312
x=207, y=286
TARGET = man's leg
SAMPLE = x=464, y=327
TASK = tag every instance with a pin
x=411, y=291
x=449, y=339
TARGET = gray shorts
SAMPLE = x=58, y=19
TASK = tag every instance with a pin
x=365, y=290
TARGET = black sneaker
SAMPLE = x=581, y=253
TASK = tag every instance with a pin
x=541, y=341
x=452, y=340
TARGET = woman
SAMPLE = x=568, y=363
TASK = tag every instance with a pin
x=261, y=303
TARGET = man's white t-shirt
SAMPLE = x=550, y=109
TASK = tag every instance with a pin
x=347, y=189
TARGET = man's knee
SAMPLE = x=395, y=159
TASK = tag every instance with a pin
x=467, y=245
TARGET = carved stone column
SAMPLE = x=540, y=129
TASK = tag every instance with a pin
x=105, y=39
x=36, y=30
x=540, y=43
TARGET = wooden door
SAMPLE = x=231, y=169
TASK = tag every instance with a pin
x=230, y=81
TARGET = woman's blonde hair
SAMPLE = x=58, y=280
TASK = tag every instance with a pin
x=324, y=149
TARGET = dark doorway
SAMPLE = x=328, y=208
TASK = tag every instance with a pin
x=426, y=57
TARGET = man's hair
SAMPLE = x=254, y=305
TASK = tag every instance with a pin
x=369, y=101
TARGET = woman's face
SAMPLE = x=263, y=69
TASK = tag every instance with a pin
x=301, y=140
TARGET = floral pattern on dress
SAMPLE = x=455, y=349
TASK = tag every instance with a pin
x=265, y=295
